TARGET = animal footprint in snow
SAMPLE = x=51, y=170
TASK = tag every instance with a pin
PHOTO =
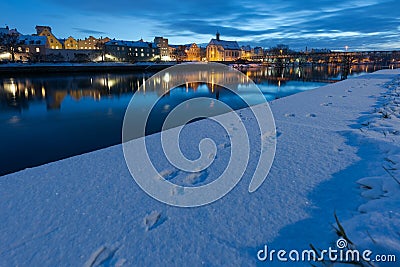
x=337, y=149
x=290, y=115
x=102, y=255
x=168, y=174
x=196, y=177
x=152, y=220
x=212, y=156
x=224, y=145
x=326, y=104
x=311, y=115
x=177, y=190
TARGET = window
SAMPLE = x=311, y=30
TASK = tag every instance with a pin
x=136, y=54
x=123, y=48
x=27, y=50
x=142, y=54
x=135, y=49
x=51, y=40
x=118, y=48
x=141, y=50
x=148, y=55
x=37, y=49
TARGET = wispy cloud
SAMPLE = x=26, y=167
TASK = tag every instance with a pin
x=88, y=31
x=317, y=23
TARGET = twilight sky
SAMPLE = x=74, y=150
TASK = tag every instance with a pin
x=360, y=24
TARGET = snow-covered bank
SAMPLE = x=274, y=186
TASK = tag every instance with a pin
x=88, y=210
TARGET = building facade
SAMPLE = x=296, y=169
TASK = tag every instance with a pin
x=192, y=52
x=92, y=43
x=246, y=52
x=258, y=54
x=221, y=50
x=70, y=43
x=52, y=41
x=131, y=51
x=162, y=44
x=31, y=48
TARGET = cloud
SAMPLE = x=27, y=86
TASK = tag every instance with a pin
x=88, y=31
x=319, y=23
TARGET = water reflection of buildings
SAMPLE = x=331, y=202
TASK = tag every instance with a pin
x=317, y=73
x=16, y=93
x=163, y=83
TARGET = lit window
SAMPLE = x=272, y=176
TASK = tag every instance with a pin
x=136, y=54
x=27, y=50
x=135, y=49
x=37, y=49
x=141, y=50
x=56, y=46
x=148, y=55
x=142, y=54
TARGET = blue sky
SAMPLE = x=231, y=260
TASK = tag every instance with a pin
x=359, y=24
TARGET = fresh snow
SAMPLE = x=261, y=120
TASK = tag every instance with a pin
x=338, y=151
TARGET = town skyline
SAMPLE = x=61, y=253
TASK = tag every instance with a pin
x=360, y=25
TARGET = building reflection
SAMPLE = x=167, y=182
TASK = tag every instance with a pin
x=18, y=92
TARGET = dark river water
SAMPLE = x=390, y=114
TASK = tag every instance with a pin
x=50, y=117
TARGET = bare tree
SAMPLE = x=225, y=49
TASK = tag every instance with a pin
x=9, y=42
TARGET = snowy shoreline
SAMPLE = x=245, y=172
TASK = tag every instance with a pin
x=332, y=143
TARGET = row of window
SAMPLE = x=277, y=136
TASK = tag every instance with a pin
x=130, y=49
x=141, y=54
x=231, y=53
x=27, y=50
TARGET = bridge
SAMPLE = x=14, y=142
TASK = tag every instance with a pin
x=378, y=57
